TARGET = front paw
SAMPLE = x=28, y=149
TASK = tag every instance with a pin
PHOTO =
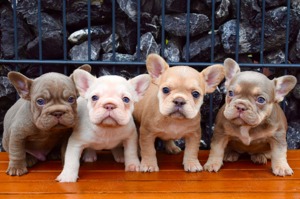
x=192, y=166
x=133, y=167
x=67, y=177
x=89, y=155
x=149, y=167
x=282, y=170
x=16, y=171
x=213, y=165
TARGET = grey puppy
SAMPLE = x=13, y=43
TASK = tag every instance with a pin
x=40, y=119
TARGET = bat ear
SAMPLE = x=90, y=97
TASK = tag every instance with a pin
x=212, y=76
x=283, y=85
x=83, y=80
x=21, y=83
x=231, y=69
x=140, y=84
x=156, y=65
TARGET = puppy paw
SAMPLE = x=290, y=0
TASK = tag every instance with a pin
x=89, y=155
x=171, y=147
x=259, y=158
x=231, y=156
x=282, y=170
x=64, y=177
x=14, y=171
x=30, y=160
x=213, y=166
x=192, y=166
x=149, y=167
x=118, y=154
x=132, y=167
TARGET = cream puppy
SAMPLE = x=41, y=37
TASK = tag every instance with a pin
x=40, y=120
x=251, y=120
x=105, y=109
x=170, y=110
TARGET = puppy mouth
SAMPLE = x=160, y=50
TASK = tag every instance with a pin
x=177, y=114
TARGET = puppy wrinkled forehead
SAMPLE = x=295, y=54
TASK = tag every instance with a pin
x=252, y=81
x=53, y=81
x=113, y=84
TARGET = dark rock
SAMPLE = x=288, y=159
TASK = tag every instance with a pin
x=152, y=7
x=222, y=11
x=77, y=13
x=7, y=33
x=108, y=44
x=176, y=6
x=175, y=24
x=129, y=7
x=172, y=51
x=80, y=52
x=272, y=3
x=150, y=23
x=298, y=45
x=148, y=45
x=249, y=10
x=249, y=37
x=118, y=57
x=97, y=32
x=200, y=7
x=293, y=135
x=200, y=49
x=275, y=57
x=127, y=31
x=52, y=46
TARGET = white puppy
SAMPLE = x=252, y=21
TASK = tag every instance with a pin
x=105, y=109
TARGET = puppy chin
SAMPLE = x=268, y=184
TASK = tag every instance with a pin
x=109, y=122
x=53, y=123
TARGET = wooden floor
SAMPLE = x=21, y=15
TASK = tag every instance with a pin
x=107, y=179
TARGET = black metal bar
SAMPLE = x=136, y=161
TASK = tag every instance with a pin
x=238, y=7
x=89, y=30
x=40, y=32
x=138, y=48
x=262, y=36
x=188, y=14
x=15, y=30
x=64, y=20
x=114, y=29
x=163, y=39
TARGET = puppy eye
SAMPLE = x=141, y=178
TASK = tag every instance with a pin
x=41, y=102
x=95, y=97
x=195, y=94
x=126, y=99
x=261, y=100
x=71, y=99
x=230, y=93
x=165, y=90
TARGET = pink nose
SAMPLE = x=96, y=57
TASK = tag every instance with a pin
x=241, y=107
x=110, y=106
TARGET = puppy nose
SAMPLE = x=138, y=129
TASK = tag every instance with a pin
x=109, y=106
x=240, y=107
x=57, y=114
x=179, y=101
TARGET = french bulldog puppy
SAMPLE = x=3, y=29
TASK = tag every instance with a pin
x=39, y=120
x=170, y=110
x=105, y=109
x=251, y=120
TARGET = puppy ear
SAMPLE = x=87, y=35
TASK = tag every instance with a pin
x=21, y=83
x=140, y=84
x=156, y=65
x=212, y=76
x=231, y=69
x=283, y=85
x=85, y=67
x=83, y=81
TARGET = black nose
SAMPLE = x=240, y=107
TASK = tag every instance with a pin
x=58, y=114
x=179, y=102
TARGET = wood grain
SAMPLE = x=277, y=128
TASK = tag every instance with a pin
x=107, y=179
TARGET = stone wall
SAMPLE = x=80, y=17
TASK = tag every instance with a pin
x=175, y=49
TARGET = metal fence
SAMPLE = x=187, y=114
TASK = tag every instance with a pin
x=138, y=63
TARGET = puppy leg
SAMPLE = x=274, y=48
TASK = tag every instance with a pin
x=148, y=152
x=279, y=162
x=89, y=155
x=71, y=162
x=216, y=154
x=171, y=147
x=118, y=154
x=190, y=158
x=30, y=160
x=132, y=162
x=231, y=156
x=259, y=158
x=17, y=156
